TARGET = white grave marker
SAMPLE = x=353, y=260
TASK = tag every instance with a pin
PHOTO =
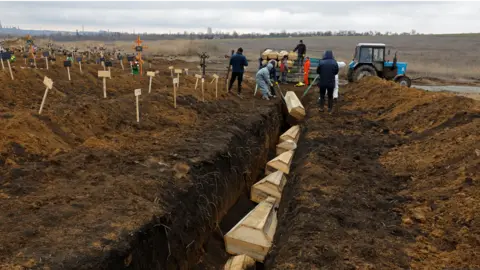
x=104, y=74
x=138, y=92
x=49, y=84
x=215, y=78
x=198, y=77
x=10, y=68
x=203, y=90
x=175, y=86
x=171, y=70
x=150, y=74
x=186, y=71
x=178, y=72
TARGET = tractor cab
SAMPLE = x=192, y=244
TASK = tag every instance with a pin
x=371, y=59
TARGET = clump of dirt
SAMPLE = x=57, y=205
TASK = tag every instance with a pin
x=407, y=110
x=79, y=183
x=389, y=182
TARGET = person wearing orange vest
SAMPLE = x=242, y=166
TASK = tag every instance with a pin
x=306, y=70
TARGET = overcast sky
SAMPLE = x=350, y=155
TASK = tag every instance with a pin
x=163, y=17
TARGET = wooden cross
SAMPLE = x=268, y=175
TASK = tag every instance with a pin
x=203, y=64
x=139, y=49
x=30, y=49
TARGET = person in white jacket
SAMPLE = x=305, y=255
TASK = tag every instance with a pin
x=335, y=90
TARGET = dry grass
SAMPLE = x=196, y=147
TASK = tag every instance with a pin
x=446, y=56
x=164, y=47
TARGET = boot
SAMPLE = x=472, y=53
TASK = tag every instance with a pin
x=322, y=105
x=330, y=106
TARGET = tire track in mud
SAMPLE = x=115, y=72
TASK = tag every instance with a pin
x=339, y=210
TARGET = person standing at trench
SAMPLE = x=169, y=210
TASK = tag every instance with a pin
x=327, y=69
x=238, y=61
x=301, y=50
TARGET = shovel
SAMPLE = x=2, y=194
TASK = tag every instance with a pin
x=281, y=93
x=308, y=88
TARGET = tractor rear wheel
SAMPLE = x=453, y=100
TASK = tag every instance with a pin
x=364, y=71
x=404, y=81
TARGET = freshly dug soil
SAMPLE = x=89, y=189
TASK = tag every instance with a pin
x=84, y=186
x=390, y=181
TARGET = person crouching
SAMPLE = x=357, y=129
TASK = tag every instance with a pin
x=263, y=81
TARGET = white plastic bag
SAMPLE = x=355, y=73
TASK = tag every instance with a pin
x=335, y=91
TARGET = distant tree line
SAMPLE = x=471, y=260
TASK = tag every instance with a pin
x=112, y=36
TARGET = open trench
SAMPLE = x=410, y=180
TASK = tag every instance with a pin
x=191, y=235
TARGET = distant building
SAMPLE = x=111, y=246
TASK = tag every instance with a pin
x=209, y=31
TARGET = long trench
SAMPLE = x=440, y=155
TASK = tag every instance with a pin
x=191, y=236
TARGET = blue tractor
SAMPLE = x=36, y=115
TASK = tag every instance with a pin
x=369, y=60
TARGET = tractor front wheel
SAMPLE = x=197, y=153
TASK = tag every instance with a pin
x=404, y=81
x=364, y=71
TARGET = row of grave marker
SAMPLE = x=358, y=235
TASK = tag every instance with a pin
x=104, y=74
x=67, y=64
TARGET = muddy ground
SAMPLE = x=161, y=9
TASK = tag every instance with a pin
x=388, y=182
x=84, y=186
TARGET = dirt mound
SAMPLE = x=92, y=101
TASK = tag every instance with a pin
x=389, y=182
x=407, y=110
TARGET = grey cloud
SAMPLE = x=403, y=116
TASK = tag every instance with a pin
x=429, y=17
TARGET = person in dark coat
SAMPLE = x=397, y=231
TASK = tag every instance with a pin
x=327, y=69
x=301, y=50
x=238, y=62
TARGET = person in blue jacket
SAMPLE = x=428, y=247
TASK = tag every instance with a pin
x=327, y=69
x=238, y=62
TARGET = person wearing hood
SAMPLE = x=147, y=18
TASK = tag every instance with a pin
x=327, y=69
x=263, y=81
x=238, y=62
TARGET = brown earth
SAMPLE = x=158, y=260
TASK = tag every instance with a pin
x=388, y=182
x=84, y=186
